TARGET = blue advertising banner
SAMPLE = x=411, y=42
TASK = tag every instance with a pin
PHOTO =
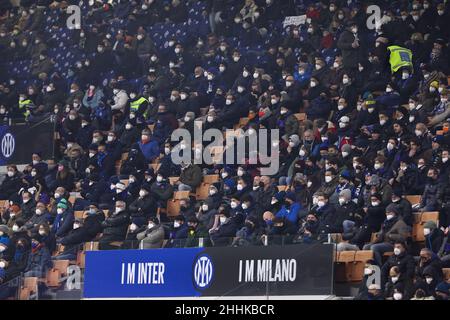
x=140, y=273
x=224, y=271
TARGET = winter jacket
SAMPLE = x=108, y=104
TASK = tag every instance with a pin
x=151, y=238
x=192, y=176
x=116, y=225
x=39, y=261
x=120, y=101
x=395, y=230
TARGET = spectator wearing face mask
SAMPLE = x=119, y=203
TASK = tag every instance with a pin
x=402, y=260
x=433, y=236
x=144, y=206
x=429, y=280
x=290, y=209
x=40, y=216
x=161, y=190
x=403, y=206
x=72, y=241
x=429, y=263
x=64, y=220
x=39, y=260
x=152, y=237
x=11, y=183
x=19, y=261
x=432, y=193
x=393, y=229
x=190, y=177
x=115, y=226
x=28, y=205
x=43, y=65
x=350, y=44
x=395, y=279
x=225, y=227
x=249, y=234
x=178, y=233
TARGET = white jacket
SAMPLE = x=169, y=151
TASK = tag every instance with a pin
x=120, y=100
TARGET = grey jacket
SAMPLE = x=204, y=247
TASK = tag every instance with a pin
x=151, y=238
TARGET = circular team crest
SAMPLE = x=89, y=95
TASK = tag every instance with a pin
x=203, y=271
x=8, y=145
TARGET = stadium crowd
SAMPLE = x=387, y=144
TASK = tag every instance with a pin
x=373, y=128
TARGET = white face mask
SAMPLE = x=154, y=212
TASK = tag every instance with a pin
x=341, y=201
x=429, y=280
x=377, y=166
x=367, y=271
x=313, y=84
x=233, y=205
x=405, y=76
x=221, y=69
x=309, y=184
x=390, y=146
x=10, y=173
x=240, y=89
x=302, y=153
x=60, y=210
x=76, y=226
x=224, y=175
x=228, y=102
x=321, y=203
x=167, y=151
x=341, y=107
x=38, y=212
x=212, y=192
x=150, y=225
x=345, y=80
x=209, y=118
x=176, y=224
x=375, y=204
x=288, y=84
x=205, y=208
x=15, y=228
x=239, y=187
x=118, y=210
x=394, y=279
x=397, y=251
x=328, y=179
x=426, y=231
x=388, y=90
x=342, y=125
x=389, y=216
x=382, y=122
x=245, y=74
x=398, y=296
x=142, y=193
x=244, y=206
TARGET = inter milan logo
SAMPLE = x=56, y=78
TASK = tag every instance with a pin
x=203, y=272
x=8, y=145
